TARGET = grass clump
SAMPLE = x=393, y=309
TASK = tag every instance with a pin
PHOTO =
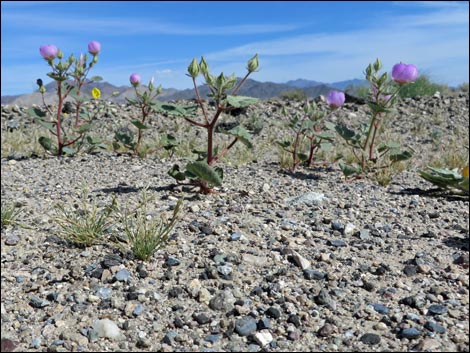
x=85, y=225
x=147, y=235
x=9, y=214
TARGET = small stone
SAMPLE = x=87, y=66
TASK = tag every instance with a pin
x=294, y=319
x=138, y=310
x=349, y=229
x=364, y=234
x=337, y=225
x=36, y=342
x=111, y=260
x=212, y=338
x=424, y=268
x=103, y=292
x=201, y=318
x=410, y=333
x=225, y=271
x=263, y=323
x=122, y=275
x=273, y=312
x=434, y=327
x=259, y=261
x=326, y=330
x=409, y=270
x=370, y=339
x=169, y=337
x=222, y=301
x=235, y=236
x=263, y=337
x=337, y=243
x=293, y=336
x=245, y=326
x=437, y=309
x=172, y=261
x=37, y=302
x=7, y=345
x=12, y=240
x=314, y=274
x=380, y=308
x=427, y=345
x=300, y=261
x=107, y=328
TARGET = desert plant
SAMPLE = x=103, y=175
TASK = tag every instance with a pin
x=452, y=180
x=422, y=86
x=146, y=236
x=314, y=127
x=71, y=135
x=86, y=224
x=369, y=154
x=9, y=214
x=201, y=172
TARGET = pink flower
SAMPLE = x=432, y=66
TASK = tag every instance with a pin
x=335, y=99
x=403, y=73
x=48, y=52
x=135, y=79
x=94, y=47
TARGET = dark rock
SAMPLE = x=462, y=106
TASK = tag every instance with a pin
x=245, y=326
x=294, y=319
x=437, y=309
x=264, y=323
x=201, y=318
x=370, y=339
x=434, y=327
x=337, y=243
x=111, y=260
x=273, y=312
x=409, y=270
x=314, y=274
x=410, y=333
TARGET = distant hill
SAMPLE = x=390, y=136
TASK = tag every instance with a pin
x=341, y=85
x=252, y=88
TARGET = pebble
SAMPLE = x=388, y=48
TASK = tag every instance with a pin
x=245, y=326
x=410, y=333
x=314, y=274
x=300, y=261
x=12, y=240
x=437, y=309
x=122, y=275
x=337, y=243
x=263, y=337
x=107, y=328
x=370, y=339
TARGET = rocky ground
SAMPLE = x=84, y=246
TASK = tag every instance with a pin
x=275, y=261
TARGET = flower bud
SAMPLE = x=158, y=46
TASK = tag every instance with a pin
x=159, y=89
x=94, y=47
x=135, y=79
x=203, y=66
x=42, y=89
x=403, y=73
x=95, y=60
x=193, y=68
x=95, y=93
x=253, y=64
x=151, y=86
x=60, y=55
x=48, y=52
x=335, y=99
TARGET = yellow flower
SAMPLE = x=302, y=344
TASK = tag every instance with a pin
x=96, y=93
x=465, y=172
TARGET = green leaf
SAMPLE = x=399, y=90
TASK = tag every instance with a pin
x=204, y=172
x=36, y=113
x=284, y=144
x=344, y=132
x=348, y=170
x=93, y=140
x=302, y=156
x=240, y=101
x=139, y=125
x=178, y=110
x=69, y=150
x=329, y=125
x=83, y=128
x=241, y=133
x=396, y=155
x=326, y=135
x=326, y=146
x=46, y=124
x=175, y=172
x=46, y=143
x=446, y=179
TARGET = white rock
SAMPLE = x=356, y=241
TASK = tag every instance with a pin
x=349, y=229
x=263, y=337
x=300, y=261
x=107, y=328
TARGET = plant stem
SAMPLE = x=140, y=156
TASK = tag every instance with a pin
x=59, y=112
x=199, y=101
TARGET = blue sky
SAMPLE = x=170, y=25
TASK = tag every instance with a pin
x=323, y=41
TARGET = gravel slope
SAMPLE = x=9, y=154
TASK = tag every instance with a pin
x=274, y=261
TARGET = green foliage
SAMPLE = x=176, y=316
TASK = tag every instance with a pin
x=9, y=214
x=295, y=94
x=313, y=127
x=86, y=225
x=447, y=179
x=146, y=236
x=223, y=93
x=372, y=157
x=423, y=86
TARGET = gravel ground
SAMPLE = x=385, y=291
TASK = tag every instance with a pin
x=274, y=261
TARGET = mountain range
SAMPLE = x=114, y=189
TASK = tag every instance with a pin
x=251, y=88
